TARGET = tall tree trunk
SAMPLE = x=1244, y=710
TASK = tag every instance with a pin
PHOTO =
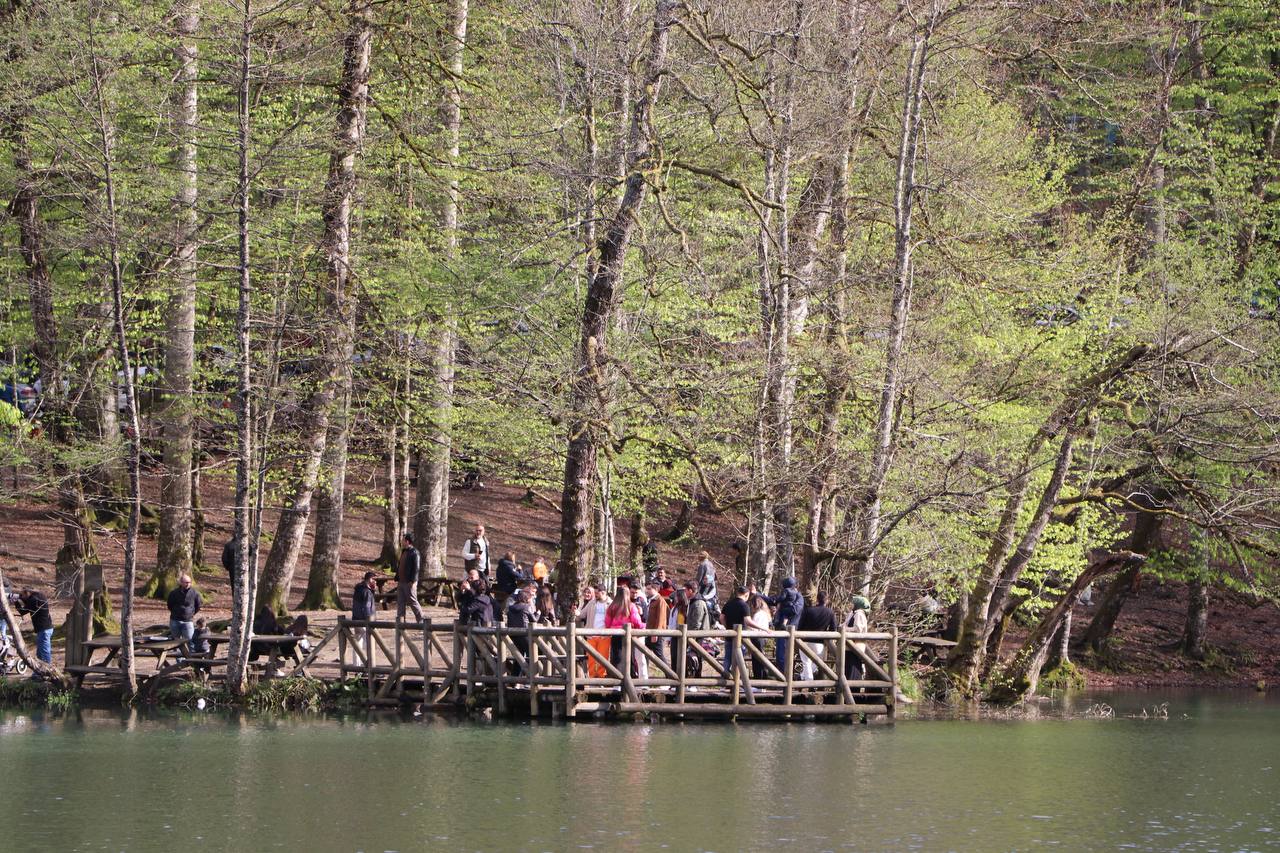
x=1022, y=674
x=391, y=530
x=590, y=392
x=243, y=582
x=431, y=517
x=173, y=548
x=1060, y=645
x=326, y=551
x=330, y=396
x=1196, y=629
x=965, y=661
x=1146, y=526
x=106, y=137
x=867, y=519
x=1003, y=603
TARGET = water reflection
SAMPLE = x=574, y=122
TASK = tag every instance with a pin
x=130, y=780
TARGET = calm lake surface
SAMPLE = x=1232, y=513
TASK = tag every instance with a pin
x=1206, y=778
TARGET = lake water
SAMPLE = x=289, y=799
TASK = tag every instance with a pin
x=1205, y=778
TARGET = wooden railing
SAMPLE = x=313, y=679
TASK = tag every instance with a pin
x=569, y=670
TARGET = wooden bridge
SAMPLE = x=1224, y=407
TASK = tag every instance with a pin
x=570, y=671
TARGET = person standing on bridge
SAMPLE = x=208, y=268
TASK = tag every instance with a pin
x=659, y=616
x=789, y=604
x=859, y=623
x=362, y=606
x=407, y=580
x=620, y=614
x=705, y=578
x=815, y=617
x=736, y=612
x=592, y=616
x=475, y=553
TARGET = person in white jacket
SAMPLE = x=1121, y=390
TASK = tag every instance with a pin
x=475, y=552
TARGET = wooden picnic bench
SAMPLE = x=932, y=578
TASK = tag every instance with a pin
x=438, y=592
x=160, y=649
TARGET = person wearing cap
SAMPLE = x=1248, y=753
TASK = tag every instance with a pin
x=788, y=607
x=854, y=669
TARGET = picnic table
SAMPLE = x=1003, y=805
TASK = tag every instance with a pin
x=158, y=647
x=435, y=591
x=277, y=646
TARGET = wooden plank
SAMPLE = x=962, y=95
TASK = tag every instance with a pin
x=891, y=699
x=790, y=664
x=682, y=664
x=571, y=670
x=533, y=673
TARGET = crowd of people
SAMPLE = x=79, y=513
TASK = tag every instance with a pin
x=506, y=592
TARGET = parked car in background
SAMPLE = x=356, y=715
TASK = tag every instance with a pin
x=22, y=396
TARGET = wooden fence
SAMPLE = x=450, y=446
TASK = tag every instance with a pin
x=571, y=671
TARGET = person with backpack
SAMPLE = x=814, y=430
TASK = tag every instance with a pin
x=789, y=605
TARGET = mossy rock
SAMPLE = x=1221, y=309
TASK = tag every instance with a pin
x=1065, y=676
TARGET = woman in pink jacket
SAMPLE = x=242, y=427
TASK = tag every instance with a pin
x=620, y=614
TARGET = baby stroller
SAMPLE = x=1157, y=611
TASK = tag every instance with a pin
x=10, y=663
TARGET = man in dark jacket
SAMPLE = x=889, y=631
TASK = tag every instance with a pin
x=229, y=559
x=475, y=607
x=508, y=579
x=788, y=607
x=362, y=602
x=407, y=580
x=184, y=603
x=521, y=615
x=35, y=604
x=734, y=614
x=362, y=606
x=815, y=617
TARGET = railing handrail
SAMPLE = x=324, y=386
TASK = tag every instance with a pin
x=562, y=630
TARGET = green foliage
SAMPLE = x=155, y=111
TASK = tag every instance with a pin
x=30, y=693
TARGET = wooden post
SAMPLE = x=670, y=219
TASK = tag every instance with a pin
x=892, y=699
x=790, y=671
x=682, y=663
x=841, y=679
x=841, y=682
x=735, y=655
x=457, y=662
x=471, y=662
x=500, y=634
x=426, y=659
x=628, y=689
x=368, y=660
x=342, y=651
x=571, y=670
x=396, y=672
x=531, y=663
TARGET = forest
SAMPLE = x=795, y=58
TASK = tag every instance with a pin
x=973, y=299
